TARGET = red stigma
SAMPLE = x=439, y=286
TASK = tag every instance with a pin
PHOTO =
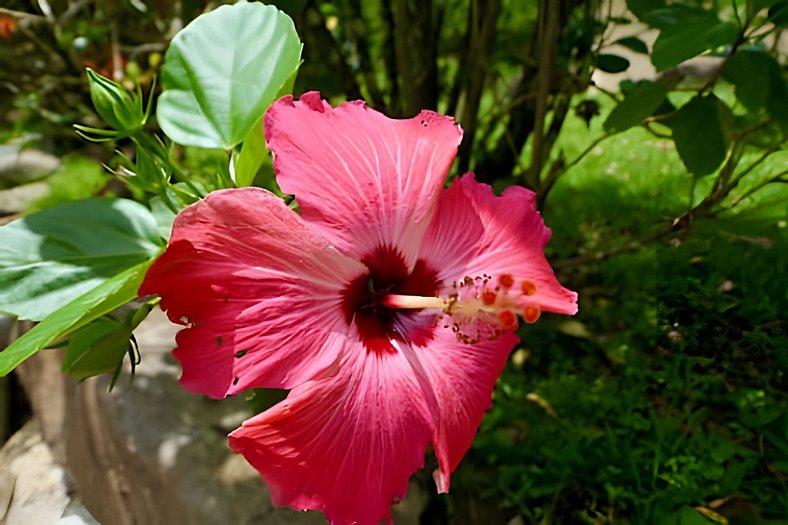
x=488, y=298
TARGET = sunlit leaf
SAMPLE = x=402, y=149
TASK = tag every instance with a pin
x=95, y=303
x=253, y=152
x=223, y=70
x=50, y=257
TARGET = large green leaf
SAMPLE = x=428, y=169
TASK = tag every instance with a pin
x=50, y=257
x=102, y=299
x=699, y=134
x=686, y=33
x=642, y=102
x=223, y=70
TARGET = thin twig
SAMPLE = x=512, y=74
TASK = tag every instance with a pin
x=631, y=246
x=586, y=151
x=681, y=223
x=779, y=179
x=766, y=154
x=21, y=14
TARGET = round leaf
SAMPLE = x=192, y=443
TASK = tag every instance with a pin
x=698, y=133
x=223, y=70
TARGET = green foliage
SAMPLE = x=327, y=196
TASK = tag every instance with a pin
x=611, y=63
x=641, y=103
x=74, y=262
x=79, y=177
x=664, y=400
x=759, y=82
x=686, y=32
x=99, y=347
x=96, y=348
x=114, y=104
x=53, y=256
x=668, y=389
x=211, y=101
x=248, y=162
x=633, y=43
x=104, y=298
x=700, y=135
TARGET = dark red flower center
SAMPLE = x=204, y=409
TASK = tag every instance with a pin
x=377, y=324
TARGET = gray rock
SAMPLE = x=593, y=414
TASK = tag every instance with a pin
x=18, y=166
x=18, y=199
x=34, y=489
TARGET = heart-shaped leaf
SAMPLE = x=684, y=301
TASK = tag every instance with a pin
x=223, y=70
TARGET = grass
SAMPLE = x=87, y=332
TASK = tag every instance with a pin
x=664, y=399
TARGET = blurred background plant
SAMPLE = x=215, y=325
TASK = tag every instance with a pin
x=654, y=133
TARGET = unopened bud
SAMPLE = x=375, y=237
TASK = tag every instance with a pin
x=115, y=104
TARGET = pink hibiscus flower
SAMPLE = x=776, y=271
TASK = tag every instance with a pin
x=388, y=306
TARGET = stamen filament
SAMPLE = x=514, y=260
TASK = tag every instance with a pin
x=411, y=302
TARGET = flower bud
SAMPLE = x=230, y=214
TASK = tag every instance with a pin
x=115, y=104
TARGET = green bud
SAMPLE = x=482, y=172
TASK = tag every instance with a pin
x=115, y=104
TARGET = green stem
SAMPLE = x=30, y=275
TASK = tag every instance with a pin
x=155, y=145
x=165, y=198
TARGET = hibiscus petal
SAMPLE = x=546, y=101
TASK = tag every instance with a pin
x=259, y=291
x=366, y=180
x=345, y=445
x=513, y=242
x=454, y=235
x=462, y=377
